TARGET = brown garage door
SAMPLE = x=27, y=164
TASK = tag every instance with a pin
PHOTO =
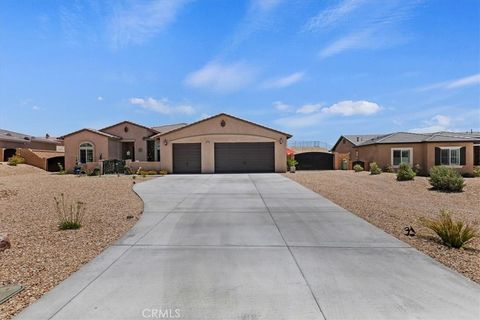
x=187, y=158
x=244, y=157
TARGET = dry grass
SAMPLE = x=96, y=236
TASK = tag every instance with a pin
x=391, y=205
x=41, y=256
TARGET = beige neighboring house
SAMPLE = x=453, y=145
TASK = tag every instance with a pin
x=219, y=144
x=455, y=149
x=42, y=152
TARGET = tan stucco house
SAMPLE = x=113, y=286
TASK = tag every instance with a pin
x=458, y=150
x=222, y=143
x=42, y=152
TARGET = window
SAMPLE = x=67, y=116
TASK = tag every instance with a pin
x=86, y=152
x=450, y=156
x=403, y=155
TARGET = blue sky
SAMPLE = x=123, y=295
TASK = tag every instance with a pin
x=315, y=69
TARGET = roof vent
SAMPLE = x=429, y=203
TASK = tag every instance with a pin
x=358, y=139
x=8, y=134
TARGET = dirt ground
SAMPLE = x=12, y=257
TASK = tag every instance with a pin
x=41, y=256
x=392, y=205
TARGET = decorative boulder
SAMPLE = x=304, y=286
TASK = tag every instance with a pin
x=4, y=243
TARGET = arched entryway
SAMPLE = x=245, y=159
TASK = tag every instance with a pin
x=8, y=153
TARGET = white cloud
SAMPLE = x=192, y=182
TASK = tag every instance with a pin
x=284, y=81
x=280, y=106
x=454, y=84
x=365, y=24
x=35, y=108
x=313, y=113
x=436, y=123
x=140, y=21
x=350, y=108
x=356, y=40
x=100, y=98
x=309, y=108
x=333, y=15
x=222, y=78
x=162, y=106
x=301, y=121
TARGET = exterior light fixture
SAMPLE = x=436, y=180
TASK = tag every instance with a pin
x=281, y=140
x=165, y=142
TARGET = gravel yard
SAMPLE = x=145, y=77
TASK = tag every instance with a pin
x=392, y=205
x=41, y=256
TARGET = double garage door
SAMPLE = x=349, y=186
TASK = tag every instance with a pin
x=240, y=157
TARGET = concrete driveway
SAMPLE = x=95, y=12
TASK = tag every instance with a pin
x=250, y=247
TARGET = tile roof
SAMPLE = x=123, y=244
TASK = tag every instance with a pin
x=93, y=131
x=169, y=127
x=410, y=137
x=8, y=135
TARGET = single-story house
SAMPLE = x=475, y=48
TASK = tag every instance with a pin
x=43, y=152
x=222, y=143
x=455, y=149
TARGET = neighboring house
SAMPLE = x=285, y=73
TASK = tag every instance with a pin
x=31, y=148
x=455, y=149
x=221, y=143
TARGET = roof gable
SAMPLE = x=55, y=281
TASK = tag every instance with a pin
x=108, y=135
x=218, y=116
x=130, y=123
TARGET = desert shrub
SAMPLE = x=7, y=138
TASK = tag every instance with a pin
x=127, y=171
x=162, y=172
x=417, y=169
x=358, y=168
x=69, y=216
x=61, y=169
x=388, y=168
x=374, y=168
x=476, y=171
x=405, y=172
x=94, y=172
x=446, y=179
x=453, y=233
x=14, y=160
x=291, y=162
x=146, y=172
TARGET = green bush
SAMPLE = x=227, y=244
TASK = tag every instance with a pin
x=358, y=168
x=454, y=234
x=417, y=169
x=374, y=168
x=69, y=216
x=405, y=172
x=446, y=179
x=291, y=162
x=127, y=171
x=147, y=172
x=388, y=168
x=476, y=171
x=14, y=160
x=163, y=172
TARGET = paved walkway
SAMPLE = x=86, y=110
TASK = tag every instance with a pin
x=250, y=247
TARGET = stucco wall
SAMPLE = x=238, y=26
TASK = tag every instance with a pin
x=32, y=159
x=210, y=131
x=346, y=146
x=382, y=154
x=135, y=134
x=467, y=168
x=72, y=144
x=423, y=154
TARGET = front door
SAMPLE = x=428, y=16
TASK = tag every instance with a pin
x=150, y=150
x=128, y=151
